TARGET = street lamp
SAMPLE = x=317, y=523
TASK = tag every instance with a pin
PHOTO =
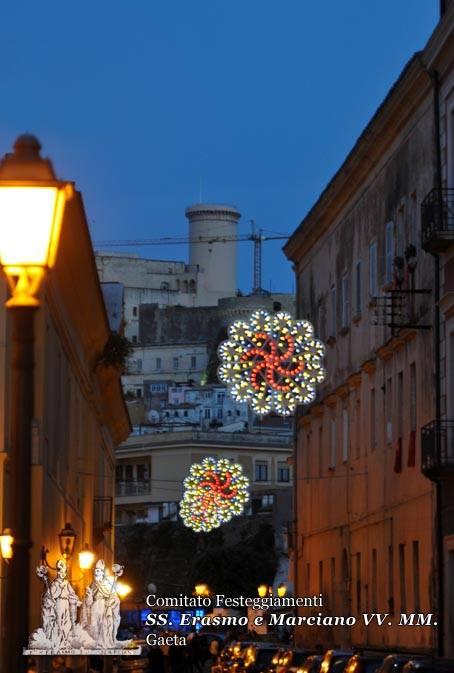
x=281, y=590
x=262, y=590
x=201, y=590
x=86, y=558
x=32, y=202
x=67, y=537
x=6, y=544
x=123, y=589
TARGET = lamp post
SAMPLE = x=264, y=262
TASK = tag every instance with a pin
x=32, y=201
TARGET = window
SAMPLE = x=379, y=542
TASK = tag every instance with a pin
x=267, y=501
x=138, y=393
x=374, y=579
x=413, y=396
x=345, y=301
x=416, y=591
x=185, y=413
x=158, y=363
x=345, y=433
x=193, y=361
x=176, y=363
x=403, y=588
x=358, y=424
x=134, y=338
x=358, y=288
x=261, y=470
x=389, y=410
x=400, y=404
x=320, y=449
x=134, y=311
x=373, y=269
x=389, y=251
x=139, y=364
x=219, y=414
x=128, y=473
x=158, y=387
x=220, y=397
x=358, y=581
x=372, y=419
x=176, y=413
x=207, y=413
x=332, y=459
x=283, y=472
x=308, y=576
x=333, y=311
x=391, y=579
x=143, y=472
x=119, y=472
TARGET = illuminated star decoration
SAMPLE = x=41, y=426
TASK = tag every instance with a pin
x=214, y=492
x=273, y=362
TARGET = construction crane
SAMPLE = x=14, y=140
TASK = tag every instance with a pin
x=256, y=236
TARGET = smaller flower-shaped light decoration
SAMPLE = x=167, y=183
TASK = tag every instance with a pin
x=214, y=492
x=272, y=362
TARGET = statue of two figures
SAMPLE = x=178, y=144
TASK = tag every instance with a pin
x=99, y=620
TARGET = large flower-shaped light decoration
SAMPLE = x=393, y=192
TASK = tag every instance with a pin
x=214, y=492
x=273, y=362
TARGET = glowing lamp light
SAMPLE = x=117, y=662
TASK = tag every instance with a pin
x=123, y=589
x=86, y=558
x=201, y=590
x=272, y=362
x=32, y=203
x=281, y=590
x=262, y=590
x=6, y=544
x=67, y=537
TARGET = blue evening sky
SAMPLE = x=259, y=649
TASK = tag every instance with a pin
x=258, y=100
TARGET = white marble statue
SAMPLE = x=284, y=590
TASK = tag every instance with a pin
x=58, y=610
x=100, y=614
x=96, y=632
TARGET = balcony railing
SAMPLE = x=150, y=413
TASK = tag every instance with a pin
x=437, y=448
x=125, y=488
x=437, y=220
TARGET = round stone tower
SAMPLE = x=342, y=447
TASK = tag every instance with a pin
x=216, y=254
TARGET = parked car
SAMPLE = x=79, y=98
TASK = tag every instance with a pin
x=427, y=666
x=363, y=663
x=394, y=663
x=335, y=657
x=312, y=664
x=290, y=660
x=255, y=658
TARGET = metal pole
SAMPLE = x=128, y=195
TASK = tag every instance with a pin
x=21, y=401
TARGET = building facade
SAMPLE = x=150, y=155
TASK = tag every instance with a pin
x=373, y=533
x=151, y=470
x=79, y=417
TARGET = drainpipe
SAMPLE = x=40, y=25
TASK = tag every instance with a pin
x=437, y=335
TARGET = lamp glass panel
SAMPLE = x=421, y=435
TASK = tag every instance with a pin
x=26, y=223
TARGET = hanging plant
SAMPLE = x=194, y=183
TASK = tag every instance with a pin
x=116, y=351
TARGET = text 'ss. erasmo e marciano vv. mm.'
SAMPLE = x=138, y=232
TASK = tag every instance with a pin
x=270, y=610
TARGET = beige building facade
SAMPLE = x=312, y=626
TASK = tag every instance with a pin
x=79, y=417
x=369, y=533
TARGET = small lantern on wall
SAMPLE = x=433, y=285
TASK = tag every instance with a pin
x=6, y=544
x=67, y=537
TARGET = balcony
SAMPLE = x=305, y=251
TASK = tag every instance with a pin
x=437, y=449
x=132, y=488
x=437, y=220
